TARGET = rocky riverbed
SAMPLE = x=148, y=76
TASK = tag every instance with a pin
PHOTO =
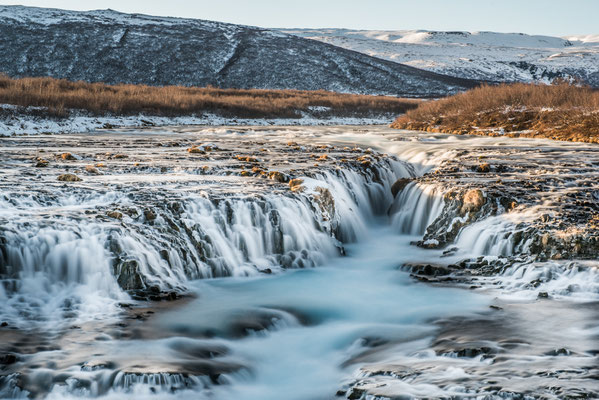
x=314, y=262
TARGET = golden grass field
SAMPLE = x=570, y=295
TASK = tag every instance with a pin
x=561, y=112
x=60, y=96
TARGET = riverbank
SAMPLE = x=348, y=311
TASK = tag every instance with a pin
x=33, y=121
x=47, y=105
x=559, y=112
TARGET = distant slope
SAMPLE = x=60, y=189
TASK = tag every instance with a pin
x=506, y=57
x=112, y=47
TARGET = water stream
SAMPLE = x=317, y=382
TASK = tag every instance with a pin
x=279, y=294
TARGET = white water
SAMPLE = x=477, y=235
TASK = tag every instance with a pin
x=318, y=320
x=309, y=322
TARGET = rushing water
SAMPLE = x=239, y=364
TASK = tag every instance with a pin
x=287, y=295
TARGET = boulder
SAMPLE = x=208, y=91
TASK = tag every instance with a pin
x=296, y=185
x=278, y=176
x=399, y=185
x=90, y=169
x=67, y=157
x=473, y=200
x=41, y=163
x=69, y=178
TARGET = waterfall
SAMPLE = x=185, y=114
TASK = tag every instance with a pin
x=56, y=263
x=416, y=207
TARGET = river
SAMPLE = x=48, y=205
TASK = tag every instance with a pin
x=172, y=274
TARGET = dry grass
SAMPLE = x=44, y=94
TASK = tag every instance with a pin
x=61, y=96
x=560, y=112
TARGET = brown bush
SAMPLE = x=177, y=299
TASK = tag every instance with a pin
x=58, y=96
x=561, y=111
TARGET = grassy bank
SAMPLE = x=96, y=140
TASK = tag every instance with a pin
x=560, y=112
x=58, y=97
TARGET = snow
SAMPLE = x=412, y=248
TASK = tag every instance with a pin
x=27, y=125
x=477, y=55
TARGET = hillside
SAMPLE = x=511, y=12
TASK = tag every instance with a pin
x=111, y=47
x=505, y=57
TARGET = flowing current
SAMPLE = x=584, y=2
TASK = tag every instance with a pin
x=174, y=273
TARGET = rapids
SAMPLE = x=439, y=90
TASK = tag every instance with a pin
x=167, y=273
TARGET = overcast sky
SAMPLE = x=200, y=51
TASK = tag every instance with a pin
x=547, y=17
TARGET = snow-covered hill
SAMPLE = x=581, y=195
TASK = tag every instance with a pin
x=475, y=55
x=114, y=47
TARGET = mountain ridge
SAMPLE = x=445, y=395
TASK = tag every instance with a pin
x=113, y=47
x=484, y=55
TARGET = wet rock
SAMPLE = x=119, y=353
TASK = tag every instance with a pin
x=559, y=352
x=90, y=169
x=115, y=214
x=195, y=150
x=296, y=185
x=41, y=163
x=8, y=359
x=68, y=157
x=473, y=200
x=247, y=159
x=428, y=269
x=356, y=394
x=149, y=214
x=69, y=178
x=278, y=176
x=325, y=200
x=129, y=276
x=399, y=185
x=483, y=168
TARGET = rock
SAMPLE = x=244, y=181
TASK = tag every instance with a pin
x=483, y=168
x=399, y=185
x=325, y=201
x=8, y=359
x=145, y=122
x=473, y=201
x=247, y=159
x=69, y=178
x=119, y=156
x=149, y=214
x=67, y=157
x=90, y=169
x=296, y=184
x=543, y=295
x=128, y=275
x=278, y=176
x=115, y=214
x=41, y=163
x=195, y=150
x=245, y=173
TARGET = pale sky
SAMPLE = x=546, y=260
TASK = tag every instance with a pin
x=545, y=17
